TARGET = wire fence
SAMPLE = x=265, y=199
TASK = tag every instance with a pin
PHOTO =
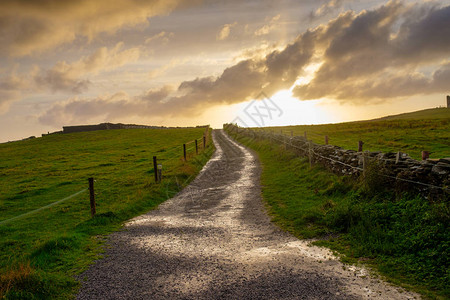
x=347, y=143
x=312, y=153
x=168, y=157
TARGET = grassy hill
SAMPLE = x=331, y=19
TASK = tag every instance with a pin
x=431, y=113
x=40, y=252
x=409, y=133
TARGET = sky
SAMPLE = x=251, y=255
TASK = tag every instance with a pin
x=194, y=62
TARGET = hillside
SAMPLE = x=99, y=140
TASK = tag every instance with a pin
x=42, y=250
x=431, y=113
x=412, y=133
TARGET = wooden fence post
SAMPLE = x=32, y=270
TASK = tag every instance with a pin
x=360, y=146
x=204, y=142
x=184, y=151
x=398, y=157
x=196, y=147
x=155, y=168
x=92, y=195
x=425, y=155
x=292, y=133
x=310, y=154
x=326, y=140
x=365, y=163
x=306, y=136
x=159, y=173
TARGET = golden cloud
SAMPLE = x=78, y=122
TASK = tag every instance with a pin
x=65, y=76
x=29, y=26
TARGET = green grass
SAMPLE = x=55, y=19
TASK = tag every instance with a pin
x=431, y=113
x=406, y=239
x=410, y=136
x=40, y=253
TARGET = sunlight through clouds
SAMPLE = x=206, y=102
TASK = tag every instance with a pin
x=98, y=61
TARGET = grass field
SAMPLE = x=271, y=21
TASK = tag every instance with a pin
x=409, y=133
x=431, y=113
x=406, y=238
x=40, y=253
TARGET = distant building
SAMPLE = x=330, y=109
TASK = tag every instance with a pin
x=448, y=101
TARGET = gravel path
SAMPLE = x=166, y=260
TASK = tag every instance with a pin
x=214, y=241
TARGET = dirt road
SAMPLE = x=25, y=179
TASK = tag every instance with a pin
x=215, y=241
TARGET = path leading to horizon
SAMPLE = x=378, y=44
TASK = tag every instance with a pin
x=214, y=240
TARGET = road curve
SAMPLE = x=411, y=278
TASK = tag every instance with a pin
x=214, y=240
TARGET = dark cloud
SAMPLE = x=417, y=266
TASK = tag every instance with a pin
x=424, y=35
x=381, y=45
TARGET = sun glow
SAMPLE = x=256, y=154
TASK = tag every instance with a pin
x=281, y=109
x=296, y=111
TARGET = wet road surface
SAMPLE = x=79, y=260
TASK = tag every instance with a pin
x=214, y=240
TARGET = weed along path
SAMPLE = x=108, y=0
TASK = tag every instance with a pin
x=215, y=241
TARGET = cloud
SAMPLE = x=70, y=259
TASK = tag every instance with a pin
x=163, y=69
x=11, y=91
x=27, y=27
x=65, y=76
x=163, y=37
x=224, y=33
x=366, y=58
x=240, y=82
x=107, y=107
x=267, y=28
x=326, y=9
x=371, y=56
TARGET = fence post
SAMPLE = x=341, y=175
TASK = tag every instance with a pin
x=159, y=173
x=92, y=195
x=326, y=140
x=204, y=142
x=306, y=136
x=196, y=147
x=292, y=133
x=360, y=146
x=398, y=157
x=155, y=168
x=310, y=154
x=184, y=151
x=425, y=155
x=365, y=163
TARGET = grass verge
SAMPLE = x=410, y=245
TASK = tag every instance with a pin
x=406, y=239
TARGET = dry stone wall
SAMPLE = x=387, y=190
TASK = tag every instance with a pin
x=428, y=177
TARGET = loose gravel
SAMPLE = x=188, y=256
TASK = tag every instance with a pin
x=214, y=240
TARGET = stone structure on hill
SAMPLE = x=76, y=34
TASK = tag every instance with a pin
x=106, y=126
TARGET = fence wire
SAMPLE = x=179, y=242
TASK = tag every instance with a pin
x=273, y=136
x=133, y=166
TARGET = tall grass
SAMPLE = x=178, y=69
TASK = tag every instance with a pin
x=62, y=240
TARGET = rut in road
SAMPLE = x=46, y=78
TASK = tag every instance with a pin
x=214, y=240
